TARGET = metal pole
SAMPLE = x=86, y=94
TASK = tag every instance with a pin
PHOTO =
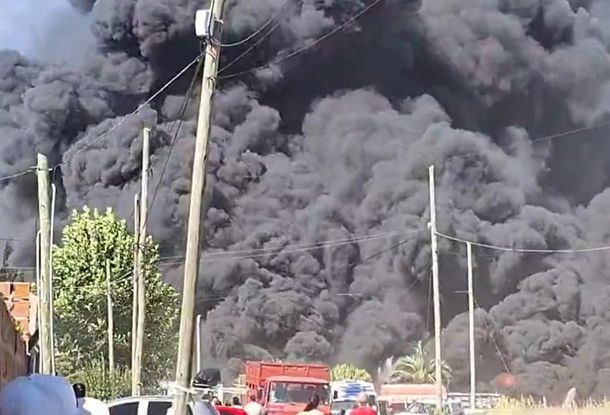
x=51, y=297
x=198, y=339
x=110, y=320
x=473, y=375
x=134, y=311
x=198, y=185
x=46, y=342
x=436, y=293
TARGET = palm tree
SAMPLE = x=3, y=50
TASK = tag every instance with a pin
x=418, y=367
x=346, y=371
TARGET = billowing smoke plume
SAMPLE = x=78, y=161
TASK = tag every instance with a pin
x=334, y=143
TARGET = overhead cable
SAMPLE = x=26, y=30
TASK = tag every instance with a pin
x=124, y=118
x=306, y=47
x=247, y=51
x=262, y=252
x=14, y=176
x=260, y=29
x=524, y=250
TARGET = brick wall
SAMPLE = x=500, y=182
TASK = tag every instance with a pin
x=14, y=311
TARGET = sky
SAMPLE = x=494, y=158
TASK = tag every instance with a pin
x=47, y=30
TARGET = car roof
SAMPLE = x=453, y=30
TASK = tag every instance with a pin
x=149, y=398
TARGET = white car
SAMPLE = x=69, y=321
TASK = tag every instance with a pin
x=156, y=405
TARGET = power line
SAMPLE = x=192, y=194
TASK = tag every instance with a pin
x=312, y=245
x=306, y=47
x=524, y=250
x=570, y=132
x=354, y=264
x=260, y=29
x=13, y=176
x=258, y=42
x=493, y=339
x=177, y=126
x=262, y=252
x=128, y=116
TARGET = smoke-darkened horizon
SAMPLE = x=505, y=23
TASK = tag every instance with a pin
x=335, y=143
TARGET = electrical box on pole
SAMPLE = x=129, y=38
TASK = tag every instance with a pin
x=206, y=26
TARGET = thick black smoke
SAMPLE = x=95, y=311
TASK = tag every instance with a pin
x=334, y=143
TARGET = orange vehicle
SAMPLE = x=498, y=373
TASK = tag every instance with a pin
x=285, y=388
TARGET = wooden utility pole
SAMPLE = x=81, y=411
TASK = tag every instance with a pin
x=38, y=294
x=110, y=319
x=436, y=293
x=134, y=278
x=473, y=375
x=141, y=272
x=191, y=264
x=46, y=341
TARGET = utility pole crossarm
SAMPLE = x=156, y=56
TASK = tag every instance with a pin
x=191, y=265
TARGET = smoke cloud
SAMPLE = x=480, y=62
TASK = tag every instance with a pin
x=335, y=143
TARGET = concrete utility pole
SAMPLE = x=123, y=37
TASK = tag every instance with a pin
x=46, y=341
x=51, y=299
x=110, y=319
x=141, y=277
x=473, y=373
x=436, y=293
x=191, y=265
x=134, y=311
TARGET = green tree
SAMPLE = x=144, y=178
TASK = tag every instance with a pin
x=346, y=371
x=100, y=383
x=79, y=280
x=418, y=367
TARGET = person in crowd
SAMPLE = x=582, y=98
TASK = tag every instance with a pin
x=312, y=406
x=38, y=395
x=236, y=402
x=86, y=405
x=363, y=406
x=253, y=407
x=215, y=401
x=80, y=391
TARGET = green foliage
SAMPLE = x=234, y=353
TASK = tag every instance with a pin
x=100, y=383
x=418, y=367
x=79, y=282
x=346, y=371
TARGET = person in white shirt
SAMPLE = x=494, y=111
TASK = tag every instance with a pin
x=88, y=406
x=253, y=407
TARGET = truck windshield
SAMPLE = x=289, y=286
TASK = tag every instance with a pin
x=284, y=392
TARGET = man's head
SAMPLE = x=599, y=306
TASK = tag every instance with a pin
x=79, y=390
x=253, y=398
x=236, y=400
x=363, y=399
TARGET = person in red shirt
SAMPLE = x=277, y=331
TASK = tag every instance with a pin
x=363, y=407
